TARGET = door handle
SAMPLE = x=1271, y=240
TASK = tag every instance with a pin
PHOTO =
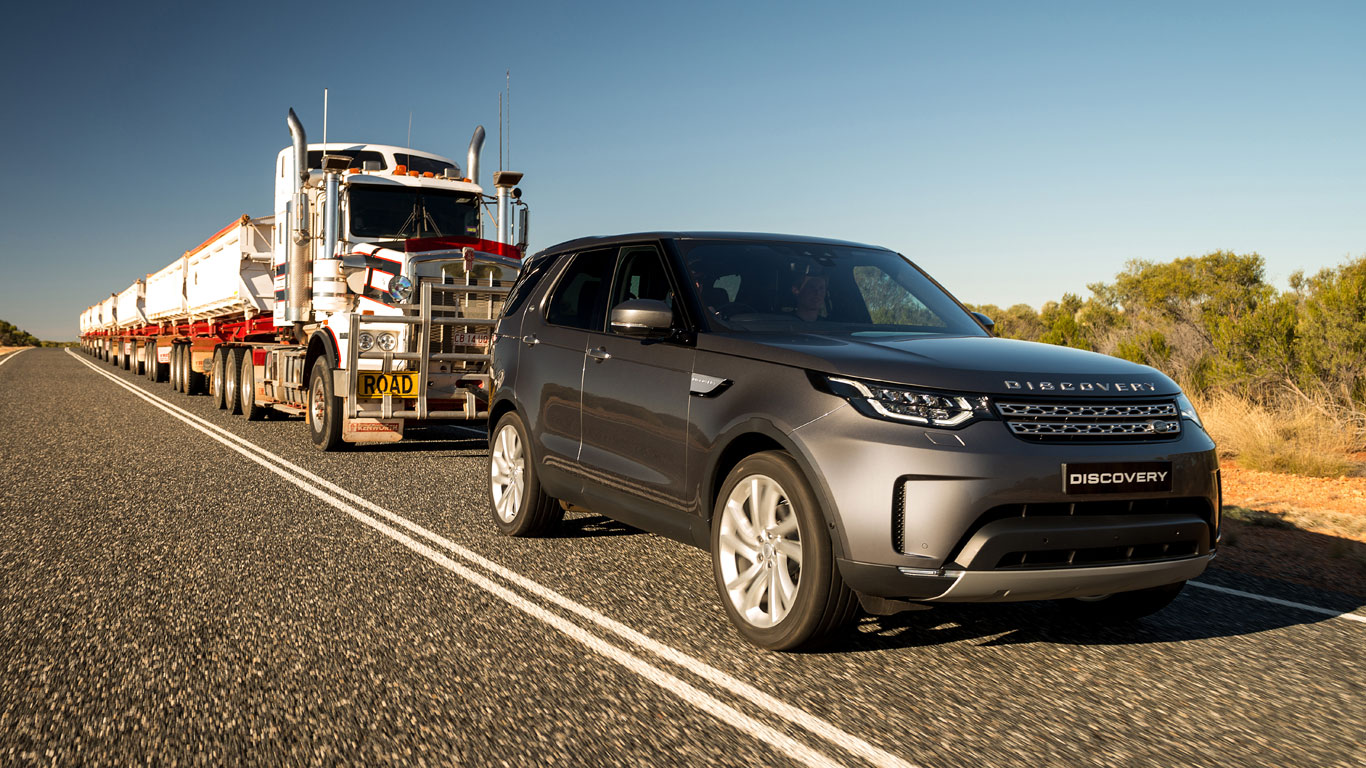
x=599, y=354
x=530, y=340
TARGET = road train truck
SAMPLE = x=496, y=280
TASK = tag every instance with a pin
x=365, y=302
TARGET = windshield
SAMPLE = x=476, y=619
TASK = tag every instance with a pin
x=795, y=287
x=396, y=212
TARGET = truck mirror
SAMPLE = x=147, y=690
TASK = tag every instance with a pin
x=523, y=221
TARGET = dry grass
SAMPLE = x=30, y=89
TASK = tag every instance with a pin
x=1294, y=437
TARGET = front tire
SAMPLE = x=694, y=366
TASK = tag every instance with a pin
x=324, y=408
x=520, y=506
x=1121, y=607
x=772, y=557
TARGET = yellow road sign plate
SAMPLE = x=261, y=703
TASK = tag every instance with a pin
x=373, y=384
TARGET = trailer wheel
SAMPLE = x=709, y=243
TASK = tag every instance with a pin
x=324, y=408
x=195, y=381
x=160, y=371
x=125, y=359
x=246, y=388
x=232, y=369
x=216, y=378
x=149, y=357
x=175, y=367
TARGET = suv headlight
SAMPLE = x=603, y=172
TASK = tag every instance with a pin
x=906, y=404
x=400, y=289
x=1184, y=405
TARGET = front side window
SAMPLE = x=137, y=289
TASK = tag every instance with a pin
x=641, y=275
x=580, y=298
x=798, y=287
x=400, y=212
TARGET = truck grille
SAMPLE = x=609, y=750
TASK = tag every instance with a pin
x=445, y=339
x=1092, y=422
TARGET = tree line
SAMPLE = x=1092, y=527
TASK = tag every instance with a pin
x=1213, y=322
x=10, y=336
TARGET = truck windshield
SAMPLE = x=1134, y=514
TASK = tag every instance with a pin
x=403, y=212
x=800, y=287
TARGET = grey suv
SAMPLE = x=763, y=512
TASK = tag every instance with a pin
x=836, y=429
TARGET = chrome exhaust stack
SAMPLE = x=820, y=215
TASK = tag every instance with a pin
x=476, y=148
x=299, y=307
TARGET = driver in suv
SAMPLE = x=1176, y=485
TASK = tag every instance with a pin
x=836, y=429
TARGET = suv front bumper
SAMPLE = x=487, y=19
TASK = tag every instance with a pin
x=978, y=514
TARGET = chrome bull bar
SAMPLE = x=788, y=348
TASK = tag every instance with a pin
x=429, y=316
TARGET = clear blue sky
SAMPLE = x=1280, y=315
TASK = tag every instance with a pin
x=1015, y=150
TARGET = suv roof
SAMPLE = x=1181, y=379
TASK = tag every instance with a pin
x=600, y=240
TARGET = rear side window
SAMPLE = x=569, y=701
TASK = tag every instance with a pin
x=580, y=299
x=524, y=286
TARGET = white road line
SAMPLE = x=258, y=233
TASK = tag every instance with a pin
x=674, y=685
x=1288, y=603
x=13, y=355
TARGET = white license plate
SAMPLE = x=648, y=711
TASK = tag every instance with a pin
x=469, y=339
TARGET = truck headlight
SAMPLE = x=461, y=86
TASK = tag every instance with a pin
x=400, y=289
x=366, y=340
x=906, y=404
x=387, y=342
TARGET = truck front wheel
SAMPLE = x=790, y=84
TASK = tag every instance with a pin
x=324, y=408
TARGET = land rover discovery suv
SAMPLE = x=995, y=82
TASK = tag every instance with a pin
x=836, y=429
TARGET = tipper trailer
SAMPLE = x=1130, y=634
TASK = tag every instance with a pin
x=365, y=302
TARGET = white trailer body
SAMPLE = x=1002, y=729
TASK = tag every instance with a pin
x=129, y=306
x=166, y=293
x=108, y=313
x=231, y=273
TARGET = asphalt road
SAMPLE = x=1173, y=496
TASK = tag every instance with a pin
x=180, y=586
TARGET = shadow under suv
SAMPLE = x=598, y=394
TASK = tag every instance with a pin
x=836, y=429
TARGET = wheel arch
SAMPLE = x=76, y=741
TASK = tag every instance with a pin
x=500, y=408
x=320, y=345
x=757, y=436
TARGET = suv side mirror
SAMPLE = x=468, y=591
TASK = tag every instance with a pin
x=642, y=317
x=984, y=320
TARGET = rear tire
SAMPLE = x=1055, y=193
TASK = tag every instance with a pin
x=520, y=506
x=772, y=557
x=1121, y=607
x=217, y=385
x=195, y=383
x=232, y=370
x=175, y=367
x=246, y=388
x=324, y=412
x=160, y=371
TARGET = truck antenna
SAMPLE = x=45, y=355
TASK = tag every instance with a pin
x=410, y=134
x=508, y=75
x=324, y=121
x=500, y=130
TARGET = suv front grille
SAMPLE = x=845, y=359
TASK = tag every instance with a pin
x=1080, y=422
